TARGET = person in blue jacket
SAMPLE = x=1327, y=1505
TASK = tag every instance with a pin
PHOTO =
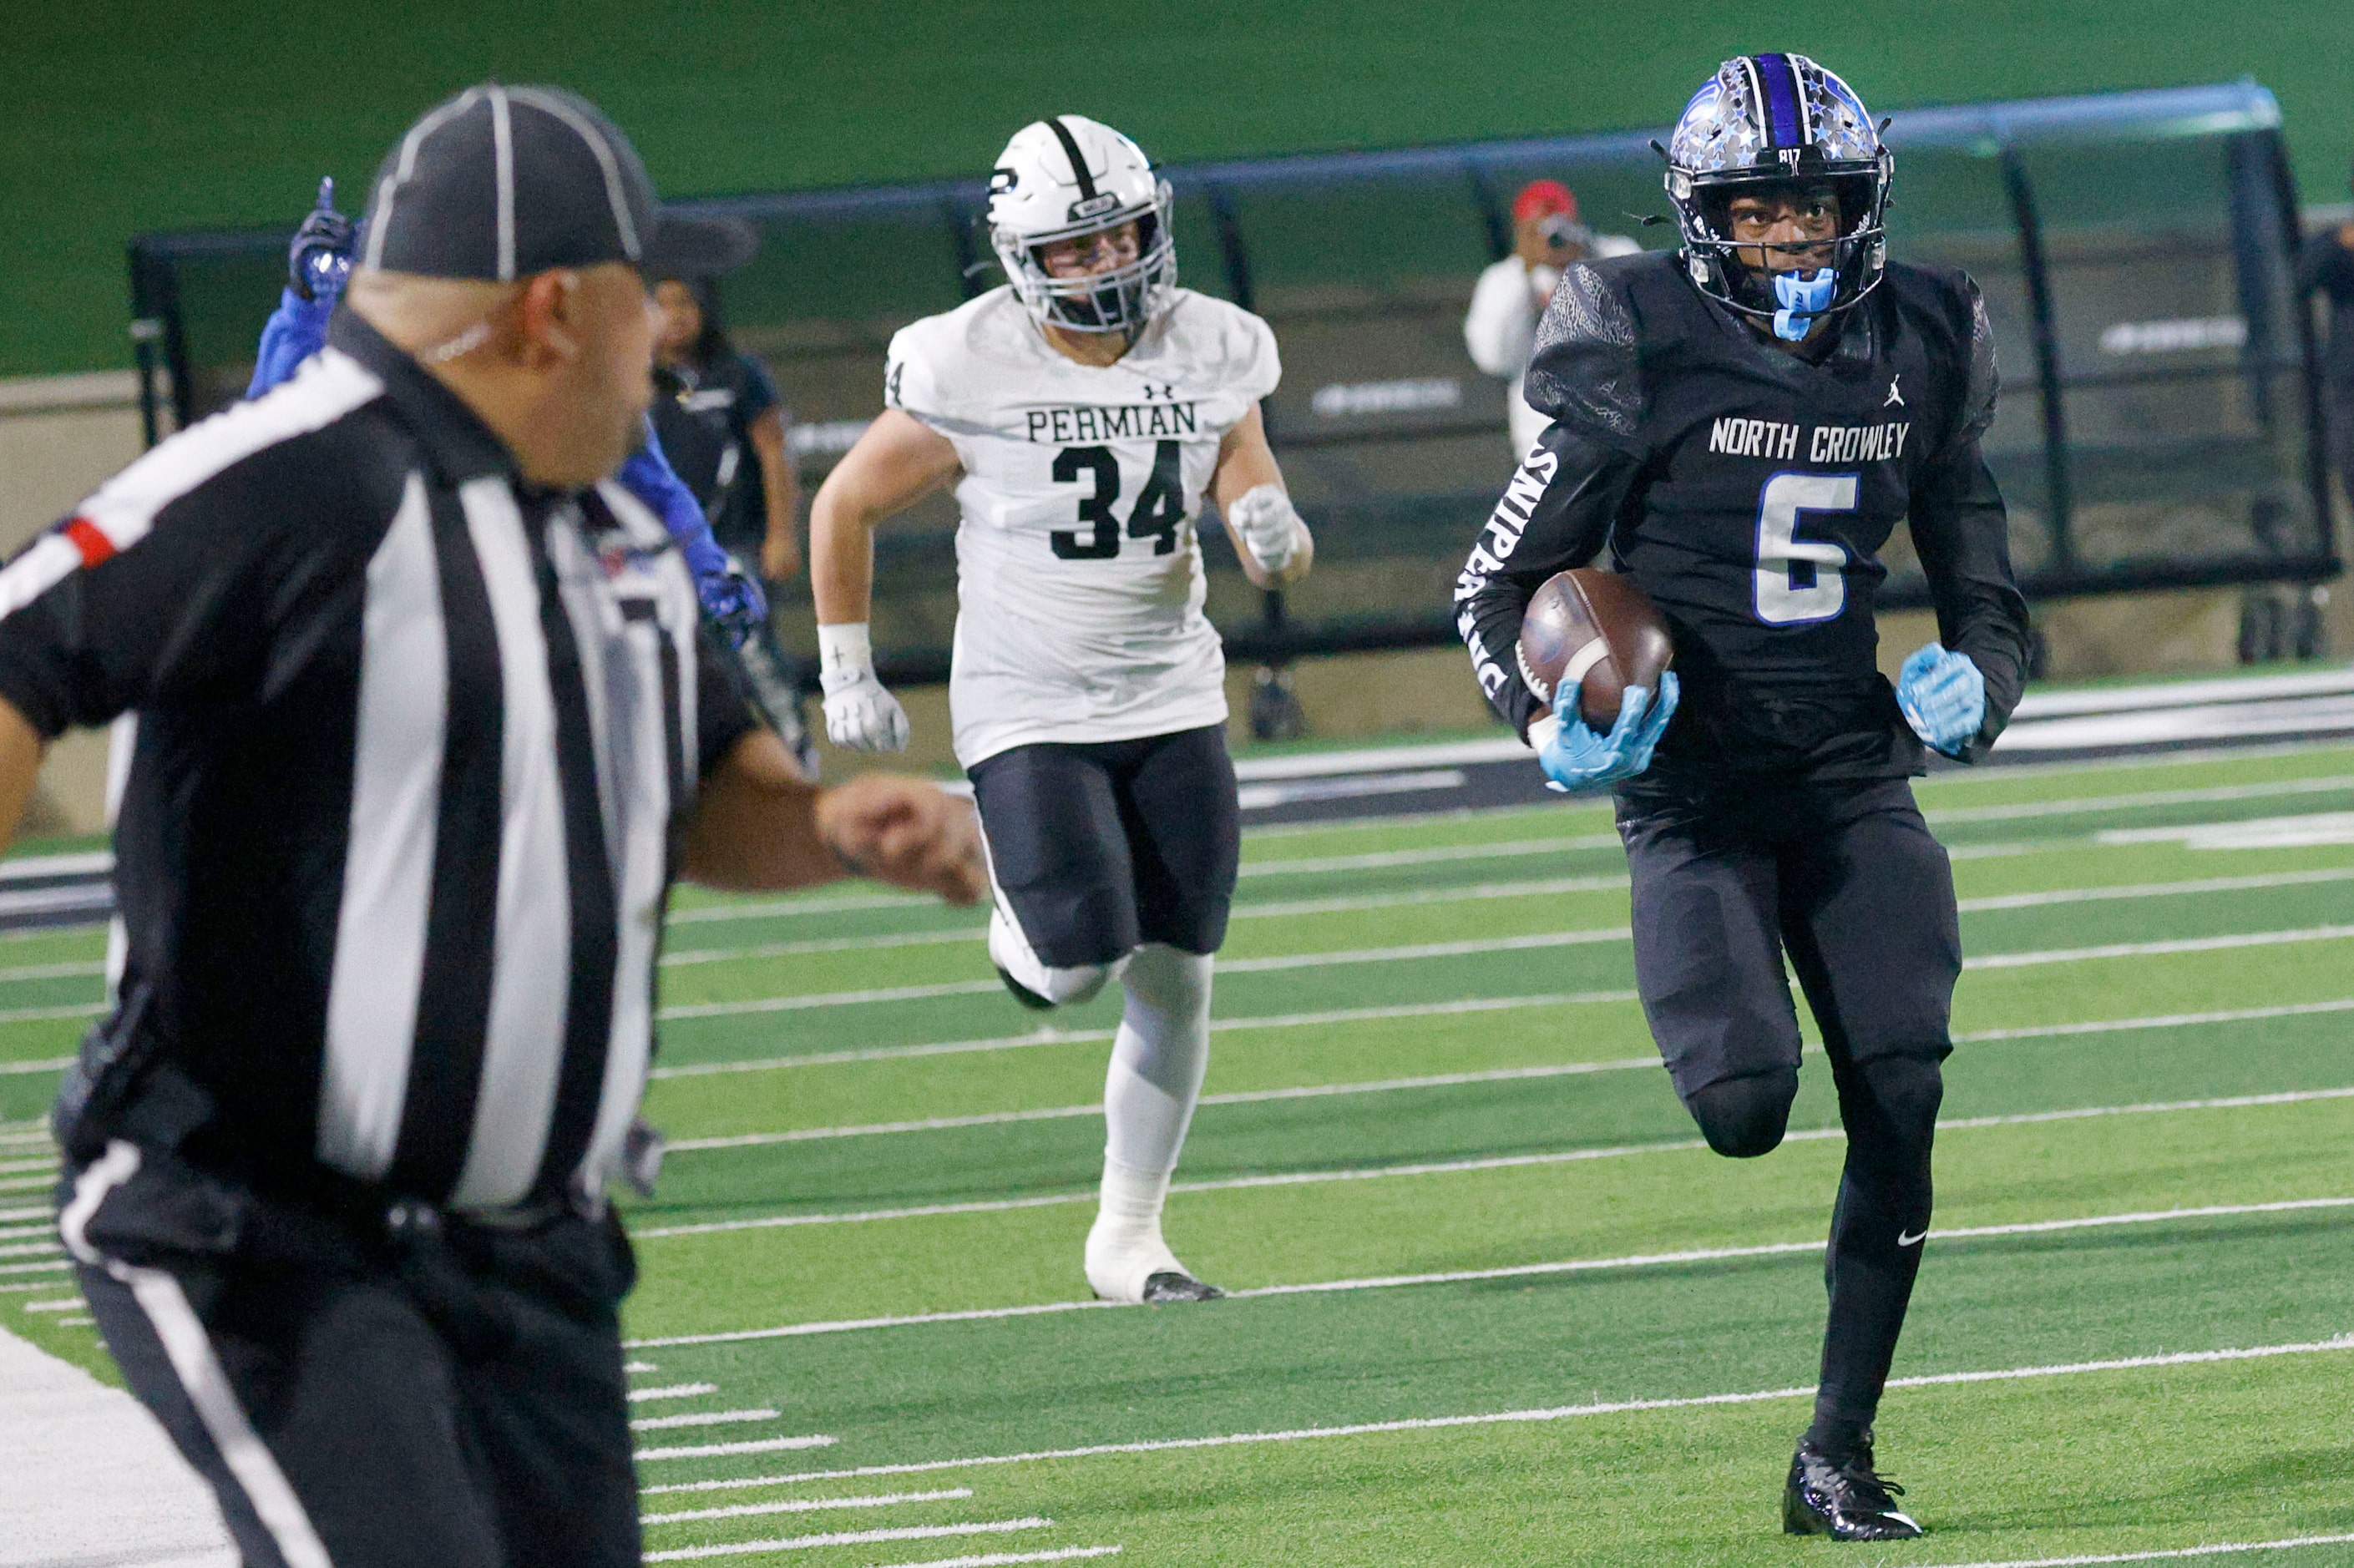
x=317, y=265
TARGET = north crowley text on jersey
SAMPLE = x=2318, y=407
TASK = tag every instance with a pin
x=1061, y=426
x=1828, y=444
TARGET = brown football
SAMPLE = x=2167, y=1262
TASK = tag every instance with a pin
x=1596, y=628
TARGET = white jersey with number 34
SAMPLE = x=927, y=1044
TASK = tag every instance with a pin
x=1078, y=569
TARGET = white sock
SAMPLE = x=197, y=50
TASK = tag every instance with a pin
x=1157, y=1061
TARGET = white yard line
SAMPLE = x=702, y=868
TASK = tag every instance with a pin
x=2159, y=1021
x=1481, y=947
x=1477, y=891
x=757, y=1446
x=805, y=1505
x=705, y=1418
x=1239, y=1098
x=2224, y=1550
x=44, y=1064
x=676, y=1390
x=2141, y=800
x=2152, y=949
x=1512, y=1271
x=855, y=1538
x=36, y=1014
x=1456, y=1167
x=1008, y=1559
x=1087, y=1036
x=78, y=971
x=1564, y=1413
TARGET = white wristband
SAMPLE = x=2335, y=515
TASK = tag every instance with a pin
x=845, y=649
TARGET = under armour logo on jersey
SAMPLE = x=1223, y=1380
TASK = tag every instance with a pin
x=1160, y=391
x=1895, y=396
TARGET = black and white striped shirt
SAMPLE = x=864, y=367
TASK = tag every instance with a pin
x=413, y=740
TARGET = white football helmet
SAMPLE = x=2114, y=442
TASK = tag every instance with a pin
x=1066, y=177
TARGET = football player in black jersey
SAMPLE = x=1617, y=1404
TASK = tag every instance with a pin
x=1740, y=425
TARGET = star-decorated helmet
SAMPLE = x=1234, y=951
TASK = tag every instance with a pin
x=1780, y=120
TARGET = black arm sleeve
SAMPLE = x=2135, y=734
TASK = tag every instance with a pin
x=1586, y=371
x=1962, y=534
x=723, y=714
x=1556, y=514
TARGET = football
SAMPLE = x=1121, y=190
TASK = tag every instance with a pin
x=1597, y=629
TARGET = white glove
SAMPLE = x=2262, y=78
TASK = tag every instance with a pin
x=859, y=713
x=1266, y=522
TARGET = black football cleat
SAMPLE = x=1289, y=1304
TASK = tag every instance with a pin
x=1169, y=1285
x=1024, y=995
x=1848, y=1502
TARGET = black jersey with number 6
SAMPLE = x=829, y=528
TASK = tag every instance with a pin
x=1748, y=490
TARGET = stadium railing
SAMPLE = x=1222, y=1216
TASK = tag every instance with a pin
x=2159, y=425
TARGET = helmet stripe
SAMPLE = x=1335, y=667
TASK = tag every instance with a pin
x=1078, y=162
x=1783, y=126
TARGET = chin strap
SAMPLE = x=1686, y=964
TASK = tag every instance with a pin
x=1802, y=299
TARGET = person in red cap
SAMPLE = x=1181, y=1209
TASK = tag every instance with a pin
x=1502, y=326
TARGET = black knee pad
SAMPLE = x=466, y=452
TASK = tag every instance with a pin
x=1744, y=1118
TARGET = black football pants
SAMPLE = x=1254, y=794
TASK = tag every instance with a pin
x=1846, y=880
x=453, y=1399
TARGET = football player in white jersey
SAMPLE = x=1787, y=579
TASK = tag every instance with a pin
x=1081, y=414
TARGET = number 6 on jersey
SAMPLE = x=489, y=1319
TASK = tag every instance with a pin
x=1799, y=580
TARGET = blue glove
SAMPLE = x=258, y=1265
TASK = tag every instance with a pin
x=734, y=603
x=321, y=257
x=1574, y=758
x=1944, y=697
x=316, y=265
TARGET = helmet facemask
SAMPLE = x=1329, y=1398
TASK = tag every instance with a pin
x=1767, y=124
x=1123, y=299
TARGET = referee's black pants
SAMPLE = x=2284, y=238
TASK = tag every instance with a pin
x=450, y=1396
x=1845, y=878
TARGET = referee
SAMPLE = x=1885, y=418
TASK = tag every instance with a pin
x=425, y=726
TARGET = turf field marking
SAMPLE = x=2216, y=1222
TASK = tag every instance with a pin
x=2150, y=950
x=37, y=1014
x=1483, y=946
x=1274, y=910
x=769, y=908
x=51, y=972
x=805, y=1505
x=41, y=1213
x=1006, y=1559
x=2157, y=889
x=2141, y=798
x=1509, y=1271
x=2222, y=1551
x=2159, y=1021
x=1051, y=1036
x=856, y=1536
x=756, y=1445
x=18, y=1167
x=1454, y=1167
x=1384, y=859
x=45, y=1064
x=1239, y=1098
x=31, y=1249
x=705, y=1418
x=676, y=1390
x=639, y=1367
x=2313, y=830
x=1557, y=1413
x=70, y=1304
x=1477, y=892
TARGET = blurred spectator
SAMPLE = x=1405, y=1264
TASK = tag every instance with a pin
x=2328, y=270
x=1502, y=326
x=722, y=427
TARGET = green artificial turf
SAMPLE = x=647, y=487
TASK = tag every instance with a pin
x=2152, y=1138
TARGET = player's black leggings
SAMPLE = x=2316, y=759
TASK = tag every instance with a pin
x=1848, y=882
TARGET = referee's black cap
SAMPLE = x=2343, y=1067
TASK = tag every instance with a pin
x=502, y=182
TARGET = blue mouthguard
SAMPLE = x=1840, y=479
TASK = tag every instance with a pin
x=1803, y=299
